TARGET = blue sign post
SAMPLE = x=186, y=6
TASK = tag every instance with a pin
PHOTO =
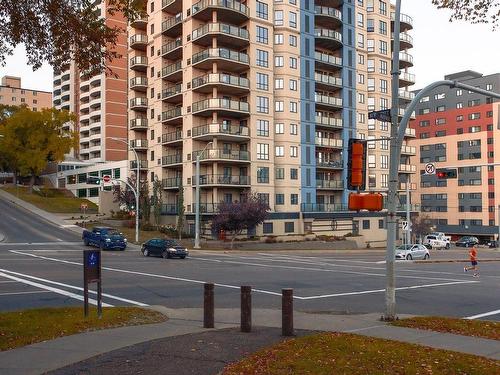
x=92, y=274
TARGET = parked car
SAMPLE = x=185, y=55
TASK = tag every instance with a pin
x=164, y=248
x=492, y=243
x=432, y=241
x=105, y=238
x=412, y=251
x=467, y=241
x=441, y=235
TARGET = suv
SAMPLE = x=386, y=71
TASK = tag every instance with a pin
x=467, y=241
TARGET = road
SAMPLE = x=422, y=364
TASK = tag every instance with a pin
x=40, y=265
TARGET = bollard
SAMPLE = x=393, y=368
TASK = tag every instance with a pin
x=208, y=306
x=287, y=312
x=246, y=309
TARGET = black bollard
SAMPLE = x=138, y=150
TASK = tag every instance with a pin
x=208, y=306
x=287, y=312
x=246, y=309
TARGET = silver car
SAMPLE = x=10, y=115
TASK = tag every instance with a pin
x=412, y=251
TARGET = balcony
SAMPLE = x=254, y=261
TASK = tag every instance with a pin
x=408, y=150
x=326, y=81
x=407, y=168
x=402, y=112
x=329, y=142
x=406, y=21
x=330, y=164
x=227, y=10
x=328, y=102
x=172, y=50
x=406, y=96
x=210, y=155
x=171, y=160
x=65, y=98
x=406, y=79
x=140, y=23
x=138, y=42
x=329, y=122
x=330, y=184
x=226, y=59
x=172, y=94
x=225, y=83
x=139, y=63
x=326, y=16
x=223, y=132
x=56, y=102
x=171, y=6
x=226, y=35
x=207, y=208
x=405, y=60
x=410, y=132
x=172, y=138
x=173, y=26
x=169, y=208
x=403, y=185
x=139, y=84
x=139, y=123
x=405, y=41
x=143, y=164
x=172, y=116
x=224, y=107
x=172, y=72
x=322, y=207
x=139, y=144
x=327, y=62
x=171, y=183
x=139, y=104
x=209, y=180
x=329, y=39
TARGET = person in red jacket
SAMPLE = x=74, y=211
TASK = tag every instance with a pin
x=473, y=261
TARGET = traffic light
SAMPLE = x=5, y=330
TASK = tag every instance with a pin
x=93, y=180
x=445, y=173
x=370, y=202
x=356, y=164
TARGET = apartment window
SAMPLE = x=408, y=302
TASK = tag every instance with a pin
x=384, y=161
x=441, y=108
x=460, y=105
x=424, y=123
x=366, y=224
x=262, y=81
x=361, y=98
x=475, y=102
x=383, y=27
x=292, y=41
x=278, y=39
x=280, y=199
x=262, y=35
x=383, y=47
x=279, y=106
x=459, y=92
x=263, y=175
x=279, y=151
x=441, y=133
x=440, y=121
x=361, y=59
x=383, y=86
x=279, y=128
x=293, y=107
x=382, y=7
x=262, y=151
x=474, y=129
x=294, y=199
x=294, y=151
x=370, y=25
x=263, y=128
x=371, y=65
x=440, y=96
x=279, y=83
x=152, y=29
x=383, y=67
x=289, y=227
x=261, y=10
x=292, y=19
x=489, y=87
x=293, y=129
x=371, y=84
x=279, y=61
x=361, y=79
x=293, y=85
x=370, y=45
x=424, y=135
x=262, y=58
x=361, y=40
x=279, y=173
x=293, y=62
x=278, y=18
x=294, y=174
x=361, y=20
x=267, y=228
x=460, y=118
x=262, y=104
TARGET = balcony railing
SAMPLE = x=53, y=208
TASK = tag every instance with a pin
x=410, y=132
x=406, y=57
x=171, y=22
x=327, y=79
x=213, y=154
x=330, y=184
x=222, y=53
x=328, y=100
x=407, y=95
x=169, y=209
x=138, y=81
x=323, y=207
x=328, y=142
x=171, y=137
x=172, y=182
x=409, y=77
x=410, y=150
x=329, y=121
x=143, y=164
x=138, y=102
x=139, y=123
x=138, y=60
x=138, y=39
x=221, y=103
x=168, y=47
x=327, y=33
x=327, y=11
x=139, y=143
x=220, y=78
x=171, y=159
x=408, y=168
x=328, y=59
x=171, y=91
x=221, y=179
x=221, y=129
x=172, y=68
x=335, y=164
x=228, y=4
x=222, y=28
x=404, y=18
x=171, y=113
x=404, y=37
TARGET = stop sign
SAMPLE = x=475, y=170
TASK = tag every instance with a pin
x=106, y=178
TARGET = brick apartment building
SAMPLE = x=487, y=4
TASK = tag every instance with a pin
x=12, y=93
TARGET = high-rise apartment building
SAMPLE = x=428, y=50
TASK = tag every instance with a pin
x=457, y=129
x=267, y=94
x=99, y=101
x=12, y=93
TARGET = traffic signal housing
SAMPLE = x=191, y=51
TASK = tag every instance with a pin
x=371, y=202
x=445, y=173
x=356, y=165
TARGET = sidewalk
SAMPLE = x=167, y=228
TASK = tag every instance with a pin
x=51, y=355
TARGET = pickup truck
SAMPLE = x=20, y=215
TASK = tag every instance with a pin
x=432, y=241
x=441, y=235
x=105, y=238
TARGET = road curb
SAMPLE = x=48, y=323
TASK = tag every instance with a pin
x=455, y=261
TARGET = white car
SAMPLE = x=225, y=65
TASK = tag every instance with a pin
x=436, y=242
x=412, y=251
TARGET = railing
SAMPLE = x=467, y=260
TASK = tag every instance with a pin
x=404, y=18
x=404, y=37
x=166, y=48
x=221, y=103
x=171, y=159
x=407, y=168
x=327, y=79
x=223, y=28
x=171, y=182
x=221, y=78
x=337, y=164
x=403, y=56
x=408, y=150
x=330, y=100
x=211, y=154
x=143, y=164
x=402, y=186
x=221, y=179
x=221, y=129
x=329, y=184
x=169, y=209
x=141, y=122
x=327, y=33
x=327, y=11
x=171, y=91
x=171, y=113
x=329, y=121
x=138, y=102
x=207, y=208
x=328, y=142
x=172, y=68
x=410, y=132
x=171, y=137
x=138, y=38
x=138, y=81
x=228, y=4
x=326, y=58
x=172, y=21
x=138, y=60
x=409, y=77
x=222, y=53
x=408, y=95
x=323, y=207
x=139, y=143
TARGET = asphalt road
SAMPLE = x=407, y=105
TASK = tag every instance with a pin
x=41, y=265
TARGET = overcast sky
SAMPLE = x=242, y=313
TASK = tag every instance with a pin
x=440, y=48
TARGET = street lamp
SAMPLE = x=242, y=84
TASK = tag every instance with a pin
x=137, y=190
x=197, y=201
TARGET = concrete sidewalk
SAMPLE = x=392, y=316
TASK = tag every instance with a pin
x=51, y=355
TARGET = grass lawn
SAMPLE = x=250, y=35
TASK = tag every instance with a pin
x=476, y=328
x=20, y=328
x=337, y=353
x=51, y=200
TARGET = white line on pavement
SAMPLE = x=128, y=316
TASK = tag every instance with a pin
x=75, y=287
x=364, y=329
x=16, y=293
x=8, y=281
x=483, y=315
x=52, y=289
x=39, y=243
x=325, y=259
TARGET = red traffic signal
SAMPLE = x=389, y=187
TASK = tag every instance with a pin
x=445, y=173
x=356, y=165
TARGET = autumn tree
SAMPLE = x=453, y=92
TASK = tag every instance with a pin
x=125, y=197
x=474, y=11
x=180, y=215
x=156, y=200
x=421, y=226
x=58, y=31
x=33, y=139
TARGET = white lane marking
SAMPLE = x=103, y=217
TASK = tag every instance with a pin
x=383, y=290
x=58, y=239
x=16, y=293
x=324, y=259
x=52, y=289
x=39, y=243
x=7, y=282
x=364, y=329
x=483, y=315
x=68, y=225
x=74, y=287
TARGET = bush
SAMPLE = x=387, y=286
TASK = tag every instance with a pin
x=270, y=239
x=120, y=215
x=147, y=227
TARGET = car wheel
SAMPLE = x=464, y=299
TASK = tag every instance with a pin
x=165, y=255
x=447, y=246
x=145, y=252
x=183, y=257
x=409, y=257
x=426, y=256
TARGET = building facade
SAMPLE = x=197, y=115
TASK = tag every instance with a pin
x=267, y=95
x=99, y=101
x=12, y=93
x=457, y=129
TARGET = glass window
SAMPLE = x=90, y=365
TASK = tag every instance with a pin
x=292, y=19
x=262, y=151
x=278, y=18
x=267, y=228
x=289, y=227
x=279, y=128
x=262, y=35
x=278, y=38
x=263, y=175
x=279, y=174
x=262, y=10
x=262, y=58
x=294, y=199
x=294, y=174
x=262, y=104
x=262, y=81
x=280, y=199
x=263, y=128
x=279, y=61
x=292, y=40
x=280, y=151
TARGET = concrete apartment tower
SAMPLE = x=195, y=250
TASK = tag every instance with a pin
x=99, y=101
x=272, y=91
x=12, y=93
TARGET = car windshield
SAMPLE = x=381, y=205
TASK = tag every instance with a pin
x=431, y=237
x=171, y=243
x=404, y=247
x=114, y=232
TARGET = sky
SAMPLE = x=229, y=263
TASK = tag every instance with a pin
x=440, y=48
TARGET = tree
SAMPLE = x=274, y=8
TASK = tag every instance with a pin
x=125, y=197
x=180, y=204
x=156, y=200
x=237, y=216
x=474, y=11
x=32, y=139
x=58, y=31
x=144, y=202
x=421, y=226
